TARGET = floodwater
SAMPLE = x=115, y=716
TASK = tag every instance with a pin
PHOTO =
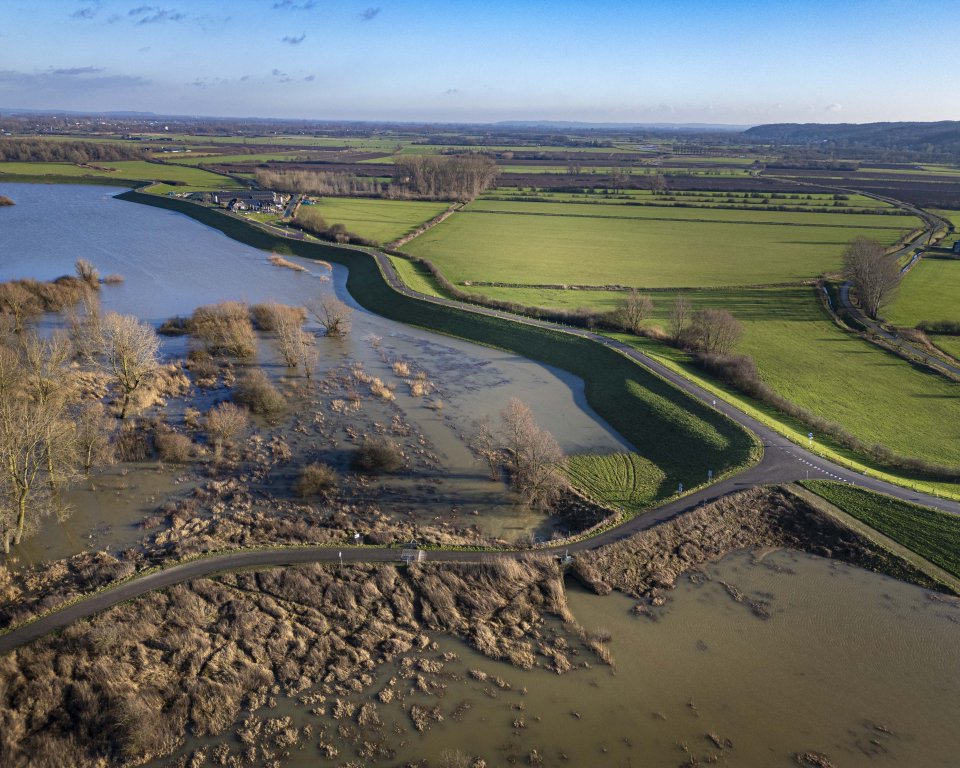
x=172, y=264
x=850, y=664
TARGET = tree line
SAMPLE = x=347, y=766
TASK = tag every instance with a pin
x=76, y=152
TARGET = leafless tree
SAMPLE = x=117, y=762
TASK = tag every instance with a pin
x=872, y=272
x=536, y=457
x=18, y=304
x=85, y=326
x=633, y=310
x=93, y=428
x=658, y=183
x=130, y=354
x=88, y=273
x=679, y=317
x=296, y=346
x=224, y=423
x=332, y=314
x=715, y=331
x=483, y=442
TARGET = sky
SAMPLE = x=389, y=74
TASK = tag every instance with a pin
x=647, y=61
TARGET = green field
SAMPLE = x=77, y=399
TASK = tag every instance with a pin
x=805, y=357
x=930, y=291
x=624, y=480
x=127, y=170
x=375, y=219
x=221, y=159
x=930, y=533
x=639, y=249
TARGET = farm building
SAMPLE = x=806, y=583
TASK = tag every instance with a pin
x=246, y=200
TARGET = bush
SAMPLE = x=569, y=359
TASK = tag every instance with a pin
x=377, y=454
x=271, y=315
x=225, y=329
x=224, y=423
x=175, y=326
x=173, y=447
x=256, y=392
x=132, y=442
x=315, y=479
x=113, y=279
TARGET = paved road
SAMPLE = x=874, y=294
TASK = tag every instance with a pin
x=782, y=462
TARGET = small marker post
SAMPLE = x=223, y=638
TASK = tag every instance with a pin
x=709, y=475
x=340, y=555
x=810, y=438
x=679, y=487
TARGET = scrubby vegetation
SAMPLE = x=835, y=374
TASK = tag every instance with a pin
x=255, y=391
x=79, y=152
x=378, y=454
x=225, y=329
x=5, y=201
x=316, y=479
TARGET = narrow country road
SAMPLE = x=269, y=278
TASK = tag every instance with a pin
x=782, y=462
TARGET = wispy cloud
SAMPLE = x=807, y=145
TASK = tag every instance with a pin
x=70, y=71
x=310, y=78
x=290, y=5
x=283, y=77
x=369, y=14
x=153, y=14
x=85, y=14
x=833, y=108
x=53, y=79
x=294, y=40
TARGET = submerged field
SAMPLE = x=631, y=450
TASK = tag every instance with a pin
x=185, y=179
x=532, y=243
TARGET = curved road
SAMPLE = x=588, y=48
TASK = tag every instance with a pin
x=782, y=462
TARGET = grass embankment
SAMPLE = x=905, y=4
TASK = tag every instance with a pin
x=645, y=246
x=680, y=435
x=930, y=533
x=624, y=480
x=374, y=219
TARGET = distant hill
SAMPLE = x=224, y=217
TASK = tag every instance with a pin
x=941, y=138
x=565, y=125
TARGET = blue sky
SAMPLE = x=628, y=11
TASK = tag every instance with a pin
x=715, y=61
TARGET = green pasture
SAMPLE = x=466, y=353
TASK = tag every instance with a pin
x=214, y=159
x=640, y=250
x=376, y=219
x=932, y=534
x=624, y=480
x=136, y=170
x=929, y=291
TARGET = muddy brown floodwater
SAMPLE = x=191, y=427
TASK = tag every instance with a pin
x=172, y=264
x=850, y=664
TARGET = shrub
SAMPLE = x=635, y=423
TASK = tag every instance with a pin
x=224, y=423
x=132, y=442
x=88, y=273
x=315, y=479
x=175, y=326
x=256, y=392
x=173, y=447
x=225, y=329
x=270, y=316
x=113, y=279
x=378, y=454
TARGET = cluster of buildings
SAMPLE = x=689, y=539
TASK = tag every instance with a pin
x=245, y=199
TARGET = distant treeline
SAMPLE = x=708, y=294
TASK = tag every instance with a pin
x=940, y=139
x=321, y=183
x=421, y=177
x=450, y=177
x=80, y=152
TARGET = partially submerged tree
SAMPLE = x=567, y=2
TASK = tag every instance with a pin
x=536, y=458
x=332, y=315
x=224, y=422
x=872, y=272
x=130, y=354
x=88, y=273
x=225, y=329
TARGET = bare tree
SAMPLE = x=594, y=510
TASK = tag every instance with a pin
x=483, y=442
x=679, y=317
x=88, y=273
x=296, y=346
x=224, y=423
x=872, y=272
x=130, y=354
x=633, y=310
x=93, y=428
x=715, y=331
x=332, y=314
x=85, y=326
x=536, y=457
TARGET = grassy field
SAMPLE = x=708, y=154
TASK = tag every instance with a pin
x=220, y=159
x=136, y=170
x=624, y=480
x=639, y=249
x=375, y=219
x=930, y=533
x=808, y=360
x=930, y=291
